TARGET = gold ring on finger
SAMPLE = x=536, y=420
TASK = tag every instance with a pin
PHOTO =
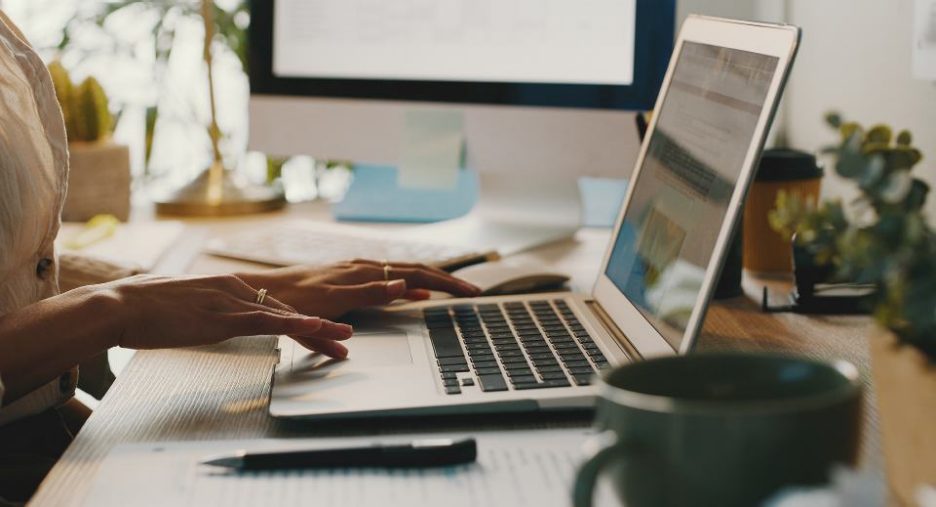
x=261, y=296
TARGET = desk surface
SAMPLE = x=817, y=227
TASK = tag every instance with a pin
x=221, y=392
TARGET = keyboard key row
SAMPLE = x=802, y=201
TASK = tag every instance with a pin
x=533, y=334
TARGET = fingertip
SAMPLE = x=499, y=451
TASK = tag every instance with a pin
x=418, y=294
x=345, y=331
x=396, y=288
x=340, y=351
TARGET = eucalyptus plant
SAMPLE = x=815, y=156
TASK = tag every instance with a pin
x=882, y=236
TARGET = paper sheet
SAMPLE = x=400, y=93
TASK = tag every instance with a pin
x=431, y=155
x=924, y=40
x=514, y=469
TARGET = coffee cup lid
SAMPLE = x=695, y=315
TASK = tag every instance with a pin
x=784, y=164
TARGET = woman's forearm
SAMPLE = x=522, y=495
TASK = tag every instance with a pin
x=43, y=340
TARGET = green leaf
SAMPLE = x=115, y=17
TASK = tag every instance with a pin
x=833, y=119
x=916, y=196
x=850, y=130
x=904, y=138
x=879, y=134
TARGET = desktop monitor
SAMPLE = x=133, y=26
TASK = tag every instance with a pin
x=546, y=88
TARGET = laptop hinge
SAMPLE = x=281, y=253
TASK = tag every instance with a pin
x=615, y=332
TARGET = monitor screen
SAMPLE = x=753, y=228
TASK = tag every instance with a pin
x=516, y=41
x=681, y=196
x=593, y=54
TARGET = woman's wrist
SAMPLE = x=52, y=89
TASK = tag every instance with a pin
x=109, y=313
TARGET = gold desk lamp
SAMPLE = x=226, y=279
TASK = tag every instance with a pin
x=217, y=191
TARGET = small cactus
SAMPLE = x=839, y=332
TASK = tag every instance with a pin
x=84, y=108
x=93, y=120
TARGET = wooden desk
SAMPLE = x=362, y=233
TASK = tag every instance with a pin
x=221, y=392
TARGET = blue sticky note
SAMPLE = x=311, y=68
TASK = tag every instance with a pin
x=602, y=199
x=376, y=196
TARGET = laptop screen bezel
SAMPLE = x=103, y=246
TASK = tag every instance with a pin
x=779, y=41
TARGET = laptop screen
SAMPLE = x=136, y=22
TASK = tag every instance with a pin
x=694, y=158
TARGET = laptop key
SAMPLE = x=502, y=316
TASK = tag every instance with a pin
x=512, y=362
x=595, y=355
x=489, y=370
x=549, y=369
x=445, y=343
x=453, y=390
x=511, y=353
x=450, y=382
x=553, y=375
x=492, y=382
x=452, y=361
x=507, y=348
x=522, y=379
x=575, y=363
x=556, y=383
x=581, y=370
x=582, y=379
x=527, y=386
x=519, y=372
x=485, y=364
x=459, y=368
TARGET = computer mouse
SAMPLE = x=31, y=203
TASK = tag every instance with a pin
x=512, y=276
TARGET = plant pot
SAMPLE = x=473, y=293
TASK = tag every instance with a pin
x=905, y=382
x=98, y=181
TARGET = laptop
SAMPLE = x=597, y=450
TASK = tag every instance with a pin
x=540, y=352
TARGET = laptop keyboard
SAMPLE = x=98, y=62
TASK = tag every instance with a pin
x=511, y=346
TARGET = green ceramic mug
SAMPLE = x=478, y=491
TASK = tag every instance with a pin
x=723, y=429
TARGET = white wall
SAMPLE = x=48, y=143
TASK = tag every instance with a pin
x=856, y=58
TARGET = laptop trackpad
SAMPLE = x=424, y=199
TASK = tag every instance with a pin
x=379, y=349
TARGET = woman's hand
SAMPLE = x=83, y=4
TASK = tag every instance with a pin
x=335, y=290
x=163, y=312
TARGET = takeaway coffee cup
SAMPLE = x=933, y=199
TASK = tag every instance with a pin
x=725, y=429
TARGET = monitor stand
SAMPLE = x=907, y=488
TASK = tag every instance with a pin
x=515, y=212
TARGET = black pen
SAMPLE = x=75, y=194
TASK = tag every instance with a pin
x=417, y=454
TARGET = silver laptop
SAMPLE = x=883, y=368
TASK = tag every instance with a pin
x=540, y=352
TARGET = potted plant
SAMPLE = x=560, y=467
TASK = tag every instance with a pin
x=99, y=168
x=882, y=238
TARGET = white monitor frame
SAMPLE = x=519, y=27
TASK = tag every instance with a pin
x=780, y=41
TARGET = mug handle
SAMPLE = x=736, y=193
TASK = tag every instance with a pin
x=605, y=450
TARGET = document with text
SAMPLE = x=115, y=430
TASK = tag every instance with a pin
x=519, y=468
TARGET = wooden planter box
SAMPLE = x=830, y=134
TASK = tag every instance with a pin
x=905, y=382
x=98, y=181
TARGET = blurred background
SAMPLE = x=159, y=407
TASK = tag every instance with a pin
x=147, y=54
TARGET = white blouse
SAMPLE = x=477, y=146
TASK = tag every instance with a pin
x=33, y=172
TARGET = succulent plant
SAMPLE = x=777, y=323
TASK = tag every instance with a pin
x=84, y=107
x=881, y=237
